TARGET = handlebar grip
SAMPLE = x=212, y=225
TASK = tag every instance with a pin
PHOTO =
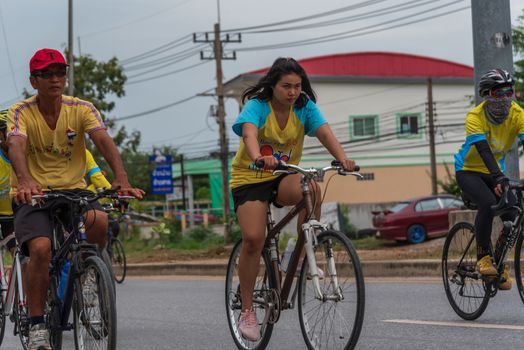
x=280, y=166
x=503, y=199
x=338, y=163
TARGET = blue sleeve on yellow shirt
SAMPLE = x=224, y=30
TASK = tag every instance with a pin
x=254, y=111
x=311, y=117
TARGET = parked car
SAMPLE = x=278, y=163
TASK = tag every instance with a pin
x=417, y=219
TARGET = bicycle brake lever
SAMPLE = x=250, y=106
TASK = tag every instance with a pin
x=277, y=172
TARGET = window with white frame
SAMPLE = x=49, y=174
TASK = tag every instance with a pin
x=363, y=126
x=409, y=124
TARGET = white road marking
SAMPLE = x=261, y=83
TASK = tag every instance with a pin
x=460, y=324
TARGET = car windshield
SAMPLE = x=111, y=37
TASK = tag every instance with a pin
x=399, y=207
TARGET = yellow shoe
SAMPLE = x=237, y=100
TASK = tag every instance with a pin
x=507, y=281
x=485, y=266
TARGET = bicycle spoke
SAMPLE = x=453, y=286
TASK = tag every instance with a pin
x=332, y=323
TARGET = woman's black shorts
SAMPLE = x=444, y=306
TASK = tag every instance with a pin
x=262, y=191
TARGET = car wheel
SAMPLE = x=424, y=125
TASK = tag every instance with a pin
x=416, y=234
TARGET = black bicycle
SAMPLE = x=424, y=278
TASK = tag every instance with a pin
x=88, y=290
x=467, y=290
x=115, y=247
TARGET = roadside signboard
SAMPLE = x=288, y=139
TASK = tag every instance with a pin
x=162, y=176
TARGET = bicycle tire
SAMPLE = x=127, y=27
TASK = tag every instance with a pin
x=265, y=281
x=467, y=295
x=2, y=320
x=106, y=258
x=54, y=317
x=118, y=260
x=352, y=303
x=21, y=315
x=85, y=306
x=519, y=260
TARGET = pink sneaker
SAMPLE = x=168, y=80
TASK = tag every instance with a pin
x=248, y=325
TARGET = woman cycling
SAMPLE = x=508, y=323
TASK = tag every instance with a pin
x=491, y=128
x=280, y=110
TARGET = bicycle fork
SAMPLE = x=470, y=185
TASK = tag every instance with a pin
x=310, y=228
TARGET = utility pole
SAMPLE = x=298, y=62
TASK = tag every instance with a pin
x=492, y=48
x=183, y=177
x=432, y=156
x=71, y=72
x=218, y=56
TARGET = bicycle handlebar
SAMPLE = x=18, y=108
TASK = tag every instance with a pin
x=73, y=197
x=317, y=174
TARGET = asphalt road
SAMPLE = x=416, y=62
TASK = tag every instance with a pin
x=175, y=313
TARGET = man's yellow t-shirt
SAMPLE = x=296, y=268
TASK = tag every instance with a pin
x=56, y=159
x=6, y=208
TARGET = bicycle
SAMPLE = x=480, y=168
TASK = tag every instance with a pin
x=341, y=287
x=12, y=300
x=467, y=290
x=115, y=247
x=88, y=286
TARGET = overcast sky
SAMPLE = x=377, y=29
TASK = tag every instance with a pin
x=127, y=28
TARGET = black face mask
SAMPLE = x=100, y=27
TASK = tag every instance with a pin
x=497, y=109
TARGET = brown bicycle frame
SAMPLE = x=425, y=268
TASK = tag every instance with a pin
x=274, y=229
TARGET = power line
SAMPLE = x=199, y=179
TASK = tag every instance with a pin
x=348, y=34
x=8, y=52
x=151, y=111
x=167, y=74
x=371, y=14
x=299, y=19
x=158, y=50
x=135, y=20
x=173, y=58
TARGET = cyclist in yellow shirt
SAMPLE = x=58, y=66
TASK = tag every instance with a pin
x=95, y=174
x=6, y=209
x=46, y=140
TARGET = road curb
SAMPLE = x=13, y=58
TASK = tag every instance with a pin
x=374, y=268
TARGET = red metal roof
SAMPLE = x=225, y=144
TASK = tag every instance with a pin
x=381, y=64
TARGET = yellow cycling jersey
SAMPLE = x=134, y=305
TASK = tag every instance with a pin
x=94, y=174
x=5, y=185
x=499, y=137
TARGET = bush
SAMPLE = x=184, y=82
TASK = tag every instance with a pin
x=345, y=226
x=235, y=235
x=200, y=234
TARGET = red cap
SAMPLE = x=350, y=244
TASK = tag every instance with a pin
x=45, y=57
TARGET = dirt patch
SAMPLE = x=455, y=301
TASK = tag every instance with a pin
x=431, y=249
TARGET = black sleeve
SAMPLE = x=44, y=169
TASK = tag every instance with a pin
x=488, y=158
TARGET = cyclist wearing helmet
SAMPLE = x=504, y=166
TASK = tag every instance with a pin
x=491, y=128
x=6, y=210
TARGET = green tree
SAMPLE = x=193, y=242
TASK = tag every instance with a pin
x=518, y=50
x=449, y=185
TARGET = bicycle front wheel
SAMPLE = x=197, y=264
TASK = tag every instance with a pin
x=94, y=310
x=332, y=320
x=118, y=260
x=464, y=286
x=519, y=263
x=264, y=289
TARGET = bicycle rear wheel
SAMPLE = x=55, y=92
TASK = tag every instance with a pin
x=264, y=285
x=21, y=315
x=118, y=260
x=334, y=321
x=2, y=319
x=94, y=310
x=465, y=288
x=519, y=263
